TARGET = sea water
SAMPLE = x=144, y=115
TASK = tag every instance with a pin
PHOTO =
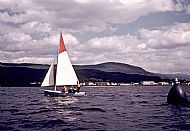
x=104, y=108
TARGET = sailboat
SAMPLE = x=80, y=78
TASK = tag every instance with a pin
x=64, y=76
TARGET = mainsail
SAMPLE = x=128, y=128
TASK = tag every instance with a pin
x=49, y=78
x=65, y=73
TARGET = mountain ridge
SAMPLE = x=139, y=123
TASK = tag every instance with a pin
x=13, y=74
x=135, y=70
x=116, y=67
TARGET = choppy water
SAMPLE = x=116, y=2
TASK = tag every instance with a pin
x=113, y=108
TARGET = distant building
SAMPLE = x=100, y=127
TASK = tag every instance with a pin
x=102, y=83
x=148, y=83
x=135, y=84
x=124, y=84
x=35, y=83
x=83, y=84
x=113, y=84
x=163, y=83
x=90, y=84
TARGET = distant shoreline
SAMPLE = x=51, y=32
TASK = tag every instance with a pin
x=94, y=86
x=128, y=86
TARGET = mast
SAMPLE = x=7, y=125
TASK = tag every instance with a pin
x=55, y=72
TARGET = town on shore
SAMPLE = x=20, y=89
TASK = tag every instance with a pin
x=143, y=83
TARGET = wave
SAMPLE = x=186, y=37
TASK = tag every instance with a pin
x=9, y=110
x=93, y=109
x=42, y=124
x=5, y=127
x=143, y=102
x=40, y=111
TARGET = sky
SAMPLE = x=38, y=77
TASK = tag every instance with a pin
x=152, y=34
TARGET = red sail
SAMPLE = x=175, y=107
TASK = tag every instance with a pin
x=62, y=46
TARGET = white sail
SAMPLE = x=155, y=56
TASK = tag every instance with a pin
x=65, y=73
x=49, y=78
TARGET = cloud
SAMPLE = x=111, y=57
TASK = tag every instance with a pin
x=19, y=44
x=30, y=32
x=113, y=48
x=33, y=59
x=76, y=16
x=167, y=37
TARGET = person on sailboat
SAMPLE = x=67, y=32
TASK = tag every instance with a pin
x=70, y=90
x=64, y=89
x=78, y=86
x=74, y=89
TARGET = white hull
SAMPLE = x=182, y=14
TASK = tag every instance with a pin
x=53, y=93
